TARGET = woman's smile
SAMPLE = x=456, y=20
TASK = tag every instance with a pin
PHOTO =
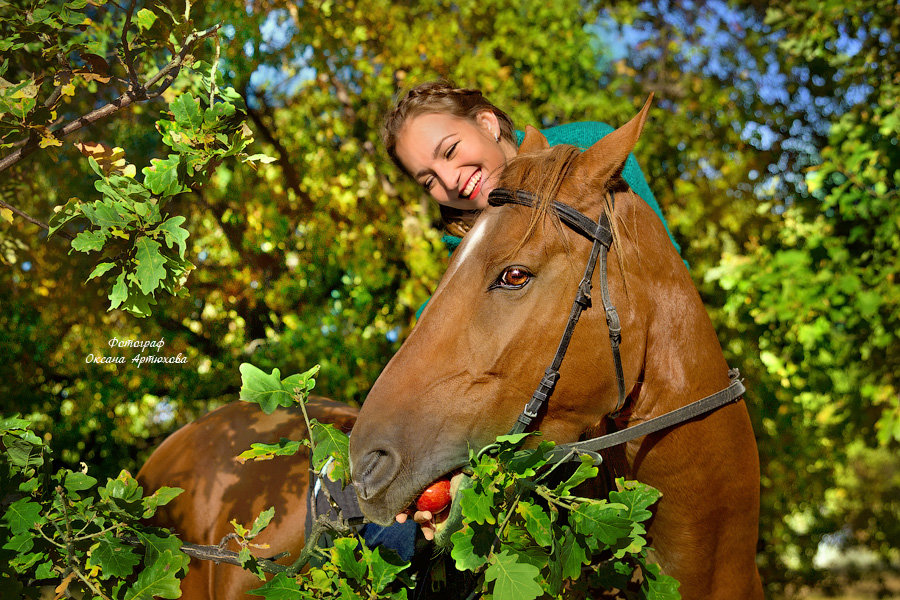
x=473, y=185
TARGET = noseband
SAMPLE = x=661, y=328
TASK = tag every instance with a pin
x=600, y=234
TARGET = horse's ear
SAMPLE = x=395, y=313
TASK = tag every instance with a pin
x=602, y=160
x=534, y=140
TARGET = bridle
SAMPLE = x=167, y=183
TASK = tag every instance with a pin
x=600, y=233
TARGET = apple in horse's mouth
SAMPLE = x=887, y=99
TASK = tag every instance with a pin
x=436, y=497
x=439, y=498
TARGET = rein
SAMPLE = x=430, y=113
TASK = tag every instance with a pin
x=600, y=233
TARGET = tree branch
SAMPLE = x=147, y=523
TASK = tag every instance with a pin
x=135, y=93
x=34, y=221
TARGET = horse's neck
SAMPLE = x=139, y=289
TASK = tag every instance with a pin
x=683, y=360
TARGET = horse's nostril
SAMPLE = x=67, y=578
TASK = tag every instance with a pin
x=376, y=470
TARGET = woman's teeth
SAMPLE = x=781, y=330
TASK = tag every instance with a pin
x=470, y=185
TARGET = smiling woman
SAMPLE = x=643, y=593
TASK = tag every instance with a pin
x=455, y=143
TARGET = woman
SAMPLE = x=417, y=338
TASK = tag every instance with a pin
x=455, y=143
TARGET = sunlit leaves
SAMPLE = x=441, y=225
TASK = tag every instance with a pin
x=265, y=389
x=529, y=538
x=512, y=580
x=67, y=520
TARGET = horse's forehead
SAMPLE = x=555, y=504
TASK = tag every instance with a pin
x=474, y=239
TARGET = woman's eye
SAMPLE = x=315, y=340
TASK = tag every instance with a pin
x=514, y=278
x=451, y=150
x=428, y=183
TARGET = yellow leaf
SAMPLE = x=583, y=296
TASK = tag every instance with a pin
x=61, y=588
x=49, y=140
x=68, y=89
x=6, y=214
x=129, y=171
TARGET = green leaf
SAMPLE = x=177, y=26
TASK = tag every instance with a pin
x=477, y=506
x=20, y=543
x=657, y=586
x=119, y=292
x=600, y=521
x=103, y=214
x=155, y=546
x=174, y=234
x=571, y=555
x=77, y=482
x=21, y=515
x=304, y=382
x=25, y=451
x=586, y=470
x=114, y=558
x=263, y=388
x=186, y=110
x=260, y=523
x=160, y=497
x=280, y=587
x=513, y=580
x=470, y=547
x=637, y=497
x=145, y=19
x=162, y=176
x=124, y=487
x=383, y=569
x=284, y=447
x=63, y=214
x=343, y=554
x=331, y=442
x=158, y=579
x=88, y=241
x=537, y=522
x=150, y=270
x=100, y=270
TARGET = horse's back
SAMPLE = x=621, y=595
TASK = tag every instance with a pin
x=200, y=458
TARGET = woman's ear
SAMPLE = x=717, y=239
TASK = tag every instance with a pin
x=488, y=121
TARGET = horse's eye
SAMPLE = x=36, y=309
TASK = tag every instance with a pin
x=514, y=278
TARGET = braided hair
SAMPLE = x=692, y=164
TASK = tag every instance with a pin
x=441, y=97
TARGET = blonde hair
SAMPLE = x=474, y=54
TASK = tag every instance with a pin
x=442, y=97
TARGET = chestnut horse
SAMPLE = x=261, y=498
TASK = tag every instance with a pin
x=492, y=326
x=200, y=458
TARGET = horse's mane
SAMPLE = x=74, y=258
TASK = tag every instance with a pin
x=542, y=173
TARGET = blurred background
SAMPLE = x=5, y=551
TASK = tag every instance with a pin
x=772, y=148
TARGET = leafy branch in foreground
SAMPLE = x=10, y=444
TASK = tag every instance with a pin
x=528, y=538
x=65, y=528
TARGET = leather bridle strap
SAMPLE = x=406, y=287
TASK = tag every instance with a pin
x=601, y=235
x=735, y=391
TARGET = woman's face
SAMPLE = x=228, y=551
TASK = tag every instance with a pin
x=456, y=160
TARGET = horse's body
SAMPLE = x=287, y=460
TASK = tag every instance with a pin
x=483, y=342
x=200, y=458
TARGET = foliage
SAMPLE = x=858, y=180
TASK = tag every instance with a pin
x=66, y=527
x=127, y=225
x=815, y=300
x=532, y=538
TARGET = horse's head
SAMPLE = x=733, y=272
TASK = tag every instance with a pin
x=494, y=323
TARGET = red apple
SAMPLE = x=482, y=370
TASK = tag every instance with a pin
x=436, y=497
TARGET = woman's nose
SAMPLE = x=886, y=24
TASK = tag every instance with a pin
x=449, y=178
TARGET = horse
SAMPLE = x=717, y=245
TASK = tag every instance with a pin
x=491, y=326
x=200, y=459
